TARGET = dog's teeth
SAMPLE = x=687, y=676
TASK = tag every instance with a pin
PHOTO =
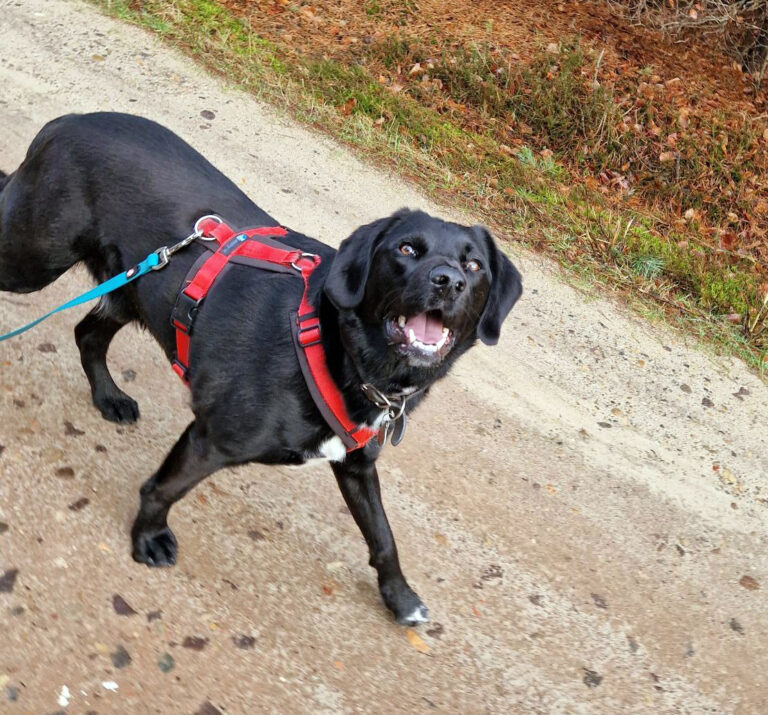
x=425, y=347
x=442, y=340
x=411, y=336
x=446, y=332
x=401, y=321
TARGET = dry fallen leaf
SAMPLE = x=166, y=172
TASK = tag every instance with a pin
x=348, y=106
x=749, y=583
x=415, y=640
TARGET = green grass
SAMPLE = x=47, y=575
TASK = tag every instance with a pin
x=518, y=190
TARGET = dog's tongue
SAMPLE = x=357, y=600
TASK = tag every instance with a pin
x=427, y=330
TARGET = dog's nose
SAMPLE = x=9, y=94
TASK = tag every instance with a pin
x=447, y=279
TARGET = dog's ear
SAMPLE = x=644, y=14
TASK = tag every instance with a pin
x=506, y=288
x=345, y=284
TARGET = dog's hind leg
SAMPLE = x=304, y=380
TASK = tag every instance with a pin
x=41, y=235
x=93, y=335
x=359, y=484
x=189, y=462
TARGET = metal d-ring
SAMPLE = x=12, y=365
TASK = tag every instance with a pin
x=199, y=231
x=303, y=255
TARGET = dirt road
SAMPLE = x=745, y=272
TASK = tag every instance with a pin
x=582, y=507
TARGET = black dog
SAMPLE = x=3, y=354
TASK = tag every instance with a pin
x=399, y=302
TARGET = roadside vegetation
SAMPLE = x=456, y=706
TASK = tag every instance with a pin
x=621, y=163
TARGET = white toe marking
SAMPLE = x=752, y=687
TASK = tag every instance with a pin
x=418, y=615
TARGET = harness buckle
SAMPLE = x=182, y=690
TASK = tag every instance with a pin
x=184, y=312
x=308, y=329
x=181, y=370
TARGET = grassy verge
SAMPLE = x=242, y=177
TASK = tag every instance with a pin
x=460, y=152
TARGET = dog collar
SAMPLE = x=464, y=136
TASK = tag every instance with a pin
x=257, y=247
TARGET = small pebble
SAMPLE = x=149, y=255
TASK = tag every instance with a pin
x=194, y=642
x=244, y=642
x=71, y=431
x=120, y=657
x=7, y=581
x=592, y=678
x=165, y=662
x=121, y=606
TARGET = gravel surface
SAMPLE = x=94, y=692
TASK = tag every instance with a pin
x=582, y=507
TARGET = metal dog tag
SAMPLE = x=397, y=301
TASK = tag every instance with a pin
x=381, y=438
x=399, y=431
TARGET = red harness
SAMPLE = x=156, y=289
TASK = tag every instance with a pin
x=256, y=247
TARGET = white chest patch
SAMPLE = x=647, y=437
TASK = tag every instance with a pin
x=332, y=450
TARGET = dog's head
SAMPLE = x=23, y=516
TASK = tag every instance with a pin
x=428, y=286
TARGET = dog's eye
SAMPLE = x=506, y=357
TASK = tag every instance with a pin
x=473, y=265
x=407, y=249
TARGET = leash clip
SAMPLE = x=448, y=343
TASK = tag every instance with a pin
x=163, y=254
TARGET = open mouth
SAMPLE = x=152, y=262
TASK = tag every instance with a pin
x=422, y=335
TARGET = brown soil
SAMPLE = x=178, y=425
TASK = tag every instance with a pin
x=650, y=75
x=339, y=30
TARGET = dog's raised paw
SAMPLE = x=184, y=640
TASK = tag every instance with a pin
x=121, y=409
x=155, y=548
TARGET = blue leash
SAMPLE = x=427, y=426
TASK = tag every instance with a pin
x=153, y=262
x=150, y=263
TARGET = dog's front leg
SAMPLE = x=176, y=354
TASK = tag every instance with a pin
x=359, y=483
x=189, y=462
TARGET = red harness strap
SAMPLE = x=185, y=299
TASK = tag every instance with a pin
x=305, y=325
